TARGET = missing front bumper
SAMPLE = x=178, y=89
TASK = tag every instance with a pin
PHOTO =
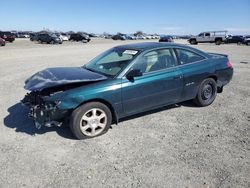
x=47, y=117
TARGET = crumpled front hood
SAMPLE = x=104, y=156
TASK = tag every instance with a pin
x=60, y=76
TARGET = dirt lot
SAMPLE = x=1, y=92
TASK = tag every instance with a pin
x=177, y=146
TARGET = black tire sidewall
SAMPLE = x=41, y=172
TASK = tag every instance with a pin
x=201, y=102
x=80, y=111
x=193, y=42
x=218, y=42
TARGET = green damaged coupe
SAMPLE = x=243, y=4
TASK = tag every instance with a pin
x=124, y=81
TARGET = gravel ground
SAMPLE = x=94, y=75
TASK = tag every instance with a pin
x=176, y=146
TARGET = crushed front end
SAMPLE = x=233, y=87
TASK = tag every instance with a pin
x=44, y=112
x=48, y=93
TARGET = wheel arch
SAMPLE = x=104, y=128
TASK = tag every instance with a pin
x=105, y=102
x=218, y=38
x=213, y=77
x=192, y=39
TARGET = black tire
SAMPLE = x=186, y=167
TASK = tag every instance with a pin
x=76, y=119
x=218, y=42
x=193, y=41
x=206, y=93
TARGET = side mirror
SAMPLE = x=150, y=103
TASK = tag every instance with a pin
x=133, y=73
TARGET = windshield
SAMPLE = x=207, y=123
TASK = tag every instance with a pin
x=112, y=62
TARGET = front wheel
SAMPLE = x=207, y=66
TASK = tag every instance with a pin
x=90, y=120
x=206, y=93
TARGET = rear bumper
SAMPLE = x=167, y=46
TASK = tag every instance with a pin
x=224, y=76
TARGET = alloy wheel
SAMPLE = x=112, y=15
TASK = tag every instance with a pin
x=93, y=122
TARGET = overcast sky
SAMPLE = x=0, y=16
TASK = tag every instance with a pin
x=151, y=16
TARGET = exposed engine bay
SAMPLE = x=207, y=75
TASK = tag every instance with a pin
x=49, y=82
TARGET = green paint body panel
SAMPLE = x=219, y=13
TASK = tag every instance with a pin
x=152, y=90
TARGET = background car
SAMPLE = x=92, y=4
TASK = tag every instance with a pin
x=238, y=39
x=33, y=36
x=129, y=37
x=141, y=37
x=2, y=42
x=64, y=37
x=22, y=35
x=247, y=40
x=166, y=39
x=79, y=37
x=155, y=36
x=217, y=37
x=107, y=36
x=118, y=37
x=7, y=36
x=92, y=35
x=48, y=38
x=149, y=37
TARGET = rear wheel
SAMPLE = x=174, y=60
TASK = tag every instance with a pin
x=193, y=41
x=218, y=41
x=90, y=120
x=206, y=93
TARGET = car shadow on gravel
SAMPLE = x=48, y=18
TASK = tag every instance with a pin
x=18, y=119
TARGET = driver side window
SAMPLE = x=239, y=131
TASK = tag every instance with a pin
x=155, y=60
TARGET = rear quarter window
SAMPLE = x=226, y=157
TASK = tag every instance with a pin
x=186, y=56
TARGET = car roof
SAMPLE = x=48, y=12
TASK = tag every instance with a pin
x=149, y=45
x=144, y=46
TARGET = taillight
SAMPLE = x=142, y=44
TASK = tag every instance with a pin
x=229, y=64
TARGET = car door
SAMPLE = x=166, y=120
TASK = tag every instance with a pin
x=195, y=68
x=160, y=84
x=205, y=37
x=200, y=37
